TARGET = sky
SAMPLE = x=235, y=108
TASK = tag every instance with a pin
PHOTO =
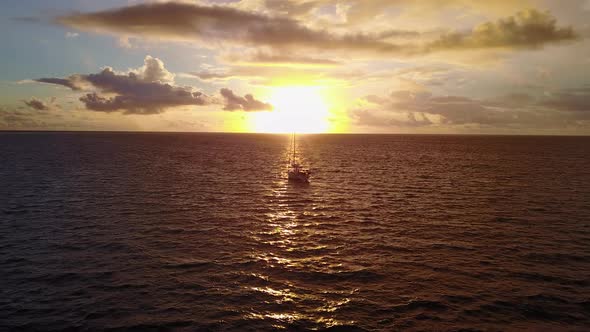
x=349, y=66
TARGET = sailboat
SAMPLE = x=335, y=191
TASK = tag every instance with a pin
x=296, y=172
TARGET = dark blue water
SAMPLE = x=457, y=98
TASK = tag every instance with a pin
x=203, y=232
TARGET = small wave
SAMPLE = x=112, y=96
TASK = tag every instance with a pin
x=525, y=308
x=71, y=277
x=342, y=276
x=164, y=326
x=16, y=211
x=450, y=247
x=551, y=279
x=306, y=251
x=390, y=248
x=420, y=305
x=504, y=219
x=459, y=299
x=190, y=265
x=65, y=246
x=343, y=328
x=557, y=258
x=15, y=260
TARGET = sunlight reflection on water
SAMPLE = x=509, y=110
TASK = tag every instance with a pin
x=165, y=231
x=289, y=251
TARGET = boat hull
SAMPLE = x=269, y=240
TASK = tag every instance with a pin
x=298, y=176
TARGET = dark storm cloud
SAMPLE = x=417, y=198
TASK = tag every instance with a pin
x=234, y=102
x=37, y=104
x=530, y=28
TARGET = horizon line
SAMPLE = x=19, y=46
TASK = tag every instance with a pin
x=265, y=133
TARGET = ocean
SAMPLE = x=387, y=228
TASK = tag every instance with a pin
x=185, y=232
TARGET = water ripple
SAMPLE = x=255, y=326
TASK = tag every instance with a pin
x=134, y=232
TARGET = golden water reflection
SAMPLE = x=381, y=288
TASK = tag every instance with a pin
x=288, y=249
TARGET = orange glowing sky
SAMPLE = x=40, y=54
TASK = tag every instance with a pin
x=456, y=66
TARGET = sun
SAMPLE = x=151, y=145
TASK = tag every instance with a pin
x=298, y=109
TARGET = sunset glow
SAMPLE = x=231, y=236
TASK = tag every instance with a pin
x=295, y=165
x=296, y=109
x=350, y=66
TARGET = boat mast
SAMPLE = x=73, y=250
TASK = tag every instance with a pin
x=294, y=160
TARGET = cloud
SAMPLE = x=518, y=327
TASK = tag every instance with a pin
x=422, y=109
x=72, y=34
x=456, y=110
x=260, y=73
x=363, y=12
x=153, y=70
x=40, y=105
x=160, y=98
x=281, y=59
x=372, y=119
x=184, y=21
x=574, y=100
x=246, y=103
x=37, y=104
x=13, y=119
x=394, y=33
x=526, y=29
x=146, y=90
x=214, y=25
x=71, y=82
x=19, y=118
x=137, y=94
x=207, y=75
x=291, y=8
x=427, y=75
x=149, y=89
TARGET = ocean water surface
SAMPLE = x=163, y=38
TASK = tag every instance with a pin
x=149, y=231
